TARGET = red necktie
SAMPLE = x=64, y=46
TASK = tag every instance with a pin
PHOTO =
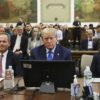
x=1, y=66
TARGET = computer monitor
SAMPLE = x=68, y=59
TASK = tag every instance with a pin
x=59, y=72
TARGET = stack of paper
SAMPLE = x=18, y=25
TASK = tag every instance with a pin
x=97, y=80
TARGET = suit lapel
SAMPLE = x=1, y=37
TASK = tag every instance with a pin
x=14, y=40
x=7, y=59
x=86, y=43
x=10, y=60
x=58, y=53
x=21, y=42
x=42, y=53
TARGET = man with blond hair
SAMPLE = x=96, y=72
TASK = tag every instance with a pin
x=50, y=48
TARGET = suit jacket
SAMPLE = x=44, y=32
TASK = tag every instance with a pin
x=11, y=60
x=23, y=44
x=28, y=34
x=77, y=23
x=61, y=53
x=95, y=66
x=84, y=45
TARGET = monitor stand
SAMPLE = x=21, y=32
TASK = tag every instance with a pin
x=47, y=87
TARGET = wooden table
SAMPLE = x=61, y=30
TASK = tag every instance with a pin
x=96, y=86
x=30, y=95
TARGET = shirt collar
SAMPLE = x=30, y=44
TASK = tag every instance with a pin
x=90, y=39
x=52, y=50
x=5, y=53
x=29, y=31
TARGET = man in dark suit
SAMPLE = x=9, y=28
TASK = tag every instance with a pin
x=50, y=45
x=19, y=42
x=89, y=43
x=95, y=66
x=76, y=32
x=8, y=57
x=18, y=45
x=28, y=30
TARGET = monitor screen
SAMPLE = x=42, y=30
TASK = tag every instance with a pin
x=59, y=72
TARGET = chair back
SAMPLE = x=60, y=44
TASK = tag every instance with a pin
x=86, y=60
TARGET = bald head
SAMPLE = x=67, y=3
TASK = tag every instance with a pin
x=89, y=31
x=2, y=30
x=20, y=30
x=4, y=42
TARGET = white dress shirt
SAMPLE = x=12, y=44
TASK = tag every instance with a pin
x=4, y=63
x=90, y=44
x=17, y=43
x=97, y=35
x=59, y=34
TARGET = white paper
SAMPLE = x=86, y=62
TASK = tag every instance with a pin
x=96, y=96
x=97, y=80
x=1, y=79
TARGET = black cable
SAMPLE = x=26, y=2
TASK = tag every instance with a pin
x=30, y=96
x=20, y=94
x=2, y=95
x=17, y=87
x=1, y=88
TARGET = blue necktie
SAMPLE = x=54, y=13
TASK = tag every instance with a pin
x=49, y=57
